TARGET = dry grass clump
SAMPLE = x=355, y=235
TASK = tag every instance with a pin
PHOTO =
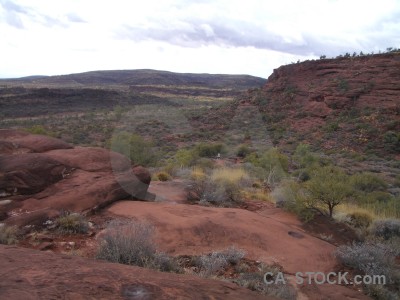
x=220, y=187
x=8, y=234
x=211, y=264
x=162, y=176
x=230, y=175
x=131, y=243
x=255, y=281
x=72, y=223
x=360, y=219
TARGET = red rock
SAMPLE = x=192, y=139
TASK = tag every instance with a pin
x=76, y=179
x=313, y=94
x=39, y=143
x=91, y=159
x=45, y=246
x=33, y=142
x=142, y=174
x=29, y=173
x=29, y=274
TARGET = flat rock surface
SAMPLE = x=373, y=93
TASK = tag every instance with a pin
x=192, y=229
x=269, y=235
x=29, y=274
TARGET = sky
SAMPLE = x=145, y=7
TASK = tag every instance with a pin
x=52, y=37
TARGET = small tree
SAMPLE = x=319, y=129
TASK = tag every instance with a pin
x=135, y=147
x=304, y=157
x=185, y=158
x=327, y=188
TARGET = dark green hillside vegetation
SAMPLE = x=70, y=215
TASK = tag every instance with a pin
x=143, y=78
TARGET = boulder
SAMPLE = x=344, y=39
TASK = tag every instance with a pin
x=48, y=176
x=17, y=140
x=29, y=173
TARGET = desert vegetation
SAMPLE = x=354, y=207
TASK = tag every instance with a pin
x=339, y=165
x=70, y=223
x=8, y=234
x=132, y=243
x=376, y=255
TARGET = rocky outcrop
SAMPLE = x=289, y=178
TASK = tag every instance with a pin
x=51, y=276
x=345, y=103
x=42, y=175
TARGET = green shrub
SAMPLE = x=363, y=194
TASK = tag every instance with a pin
x=396, y=182
x=275, y=163
x=205, y=163
x=135, y=147
x=243, y=151
x=302, y=175
x=391, y=141
x=256, y=185
x=367, y=182
x=291, y=196
x=185, y=158
x=209, y=150
x=331, y=127
x=8, y=234
x=327, y=188
x=72, y=223
x=273, y=157
x=377, y=197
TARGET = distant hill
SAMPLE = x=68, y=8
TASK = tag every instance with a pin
x=144, y=77
x=42, y=95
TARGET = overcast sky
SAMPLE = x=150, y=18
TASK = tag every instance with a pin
x=49, y=37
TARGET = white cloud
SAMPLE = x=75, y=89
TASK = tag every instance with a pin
x=220, y=36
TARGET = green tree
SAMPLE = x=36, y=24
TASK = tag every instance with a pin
x=328, y=187
x=275, y=163
x=184, y=157
x=304, y=157
x=135, y=147
x=209, y=150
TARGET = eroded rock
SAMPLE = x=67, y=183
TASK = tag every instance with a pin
x=45, y=175
x=67, y=277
